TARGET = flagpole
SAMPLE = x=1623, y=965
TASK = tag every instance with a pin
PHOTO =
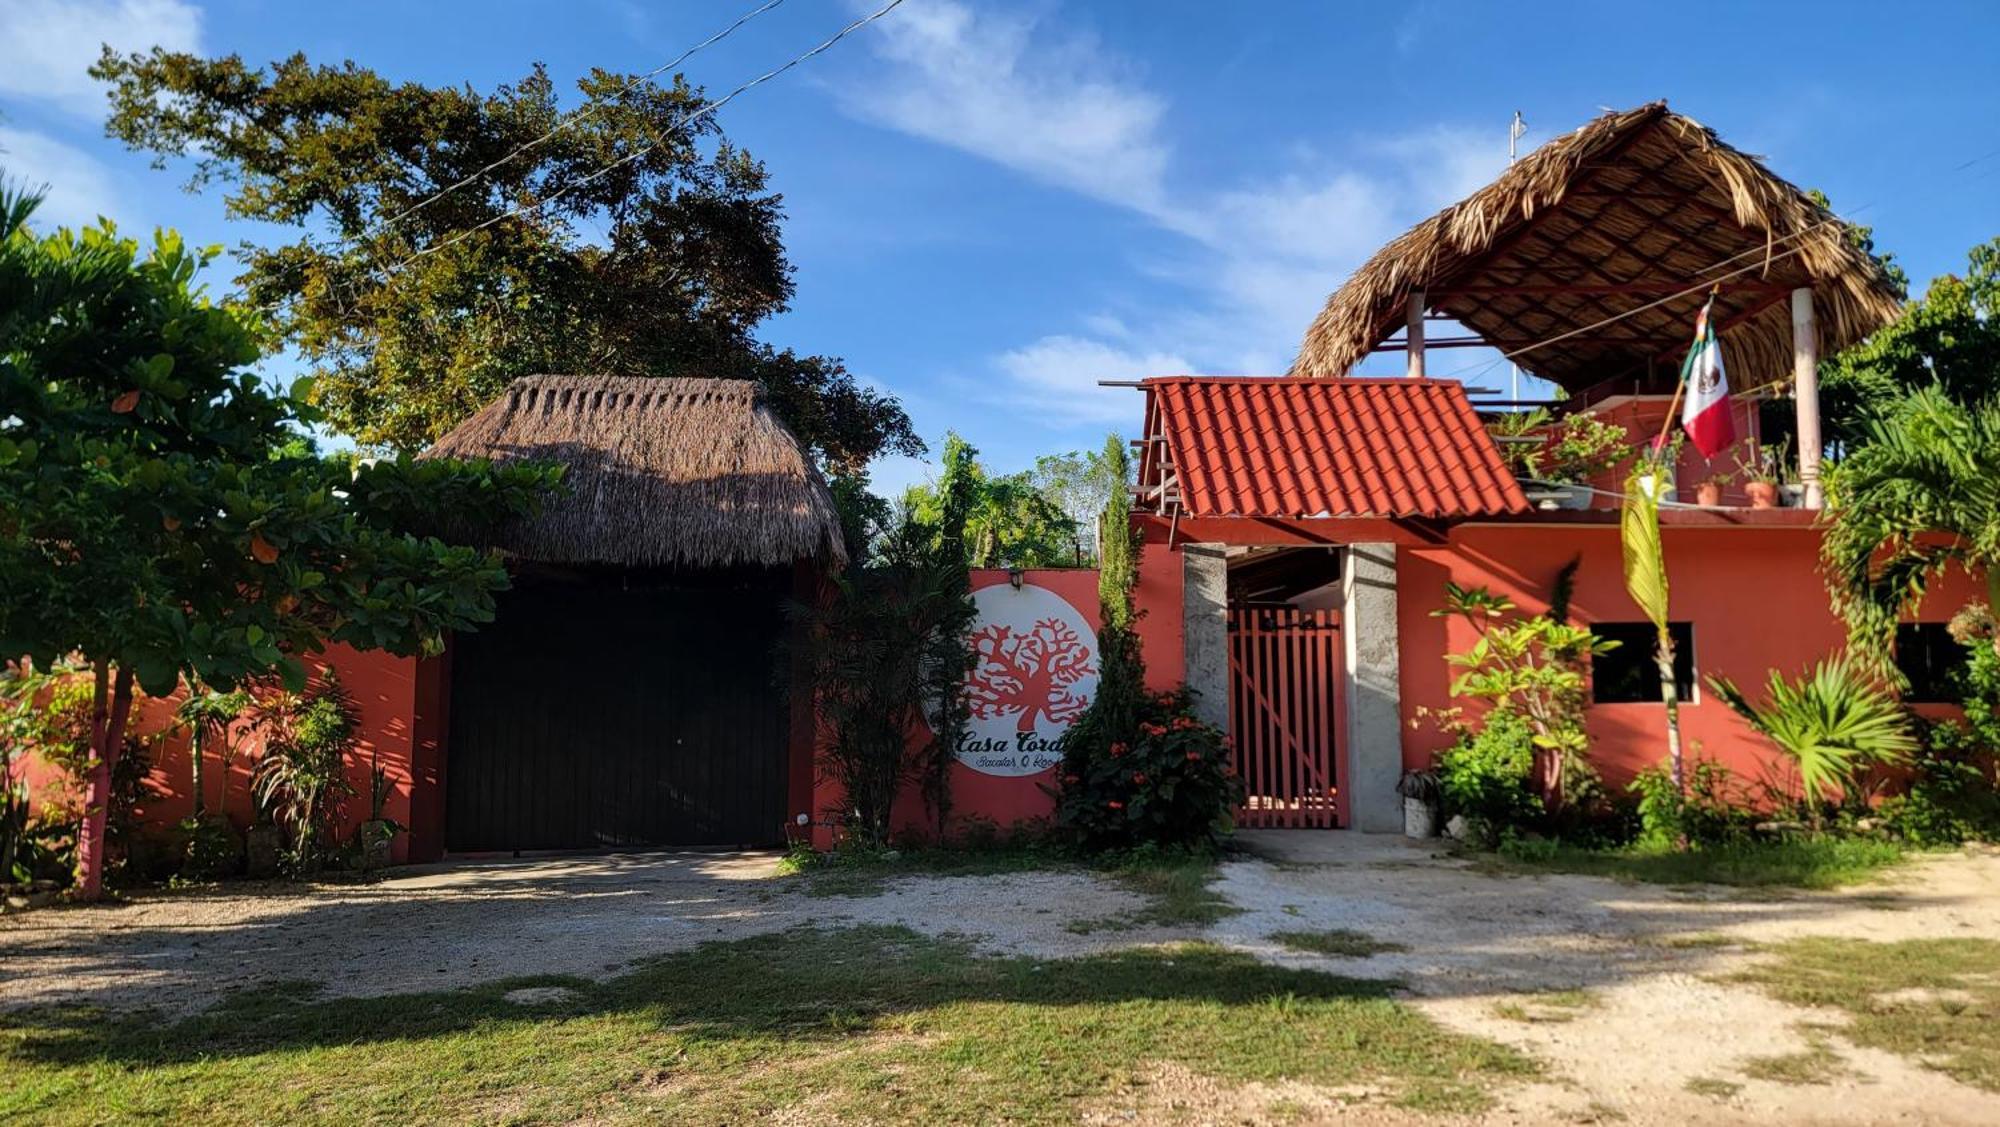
x=1680, y=385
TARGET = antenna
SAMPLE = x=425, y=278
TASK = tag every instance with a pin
x=1515, y=132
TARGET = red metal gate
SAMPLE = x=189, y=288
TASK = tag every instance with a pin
x=1284, y=710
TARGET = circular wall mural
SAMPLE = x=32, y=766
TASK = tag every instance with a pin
x=1034, y=674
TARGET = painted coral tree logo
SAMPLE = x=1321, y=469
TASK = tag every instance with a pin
x=1035, y=673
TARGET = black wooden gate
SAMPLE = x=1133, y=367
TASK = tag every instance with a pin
x=621, y=710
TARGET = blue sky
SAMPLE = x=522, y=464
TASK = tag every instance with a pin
x=994, y=205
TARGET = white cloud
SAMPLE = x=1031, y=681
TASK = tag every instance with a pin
x=47, y=46
x=1061, y=112
x=78, y=189
x=1057, y=376
x=1257, y=257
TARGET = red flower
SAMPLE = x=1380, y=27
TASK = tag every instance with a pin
x=1115, y=804
x=1072, y=779
x=1139, y=777
x=1117, y=749
x=1194, y=756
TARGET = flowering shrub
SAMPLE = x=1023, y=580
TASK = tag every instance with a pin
x=1169, y=781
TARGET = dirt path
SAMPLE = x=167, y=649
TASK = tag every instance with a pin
x=1653, y=1018
x=446, y=926
x=1480, y=951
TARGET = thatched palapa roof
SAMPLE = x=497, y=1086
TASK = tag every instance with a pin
x=689, y=472
x=1627, y=210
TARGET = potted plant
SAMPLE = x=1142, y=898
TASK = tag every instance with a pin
x=1579, y=448
x=1760, y=477
x=1656, y=477
x=1708, y=493
x=1422, y=795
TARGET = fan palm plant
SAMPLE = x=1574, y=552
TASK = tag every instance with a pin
x=1832, y=724
x=1914, y=500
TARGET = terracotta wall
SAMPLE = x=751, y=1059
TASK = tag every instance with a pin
x=383, y=687
x=1004, y=800
x=1642, y=419
x=1754, y=596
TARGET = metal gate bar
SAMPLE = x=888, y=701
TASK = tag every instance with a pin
x=1284, y=707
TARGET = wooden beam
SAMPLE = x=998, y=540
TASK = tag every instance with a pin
x=1592, y=288
x=1414, y=335
x=1805, y=392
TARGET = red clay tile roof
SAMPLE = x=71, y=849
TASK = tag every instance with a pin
x=1280, y=447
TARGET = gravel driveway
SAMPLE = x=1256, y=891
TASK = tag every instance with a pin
x=442, y=926
x=1649, y=957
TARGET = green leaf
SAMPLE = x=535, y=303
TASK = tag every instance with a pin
x=157, y=674
x=1645, y=556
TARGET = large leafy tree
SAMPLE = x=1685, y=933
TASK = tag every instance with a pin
x=1916, y=497
x=159, y=518
x=1948, y=339
x=1081, y=483
x=648, y=245
x=1009, y=521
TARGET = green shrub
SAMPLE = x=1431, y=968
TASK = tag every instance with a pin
x=1488, y=779
x=1712, y=810
x=211, y=849
x=1952, y=795
x=1951, y=798
x=1169, y=784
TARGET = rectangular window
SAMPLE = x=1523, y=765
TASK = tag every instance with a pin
x=1931, y=658
x=1629, y=674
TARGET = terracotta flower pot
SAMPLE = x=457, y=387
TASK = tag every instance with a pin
x=1708, y=494
x=1762, y=494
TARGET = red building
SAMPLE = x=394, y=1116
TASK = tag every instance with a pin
x=1278, y=511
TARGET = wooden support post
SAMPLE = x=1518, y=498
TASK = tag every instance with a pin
x=1805, y=392
x=1415, y=336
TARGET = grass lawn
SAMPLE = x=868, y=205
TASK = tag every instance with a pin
x=1934, y=1000
x=875, y=1024
x=1339, y=942
x=1178, y=884
x=1822, y=862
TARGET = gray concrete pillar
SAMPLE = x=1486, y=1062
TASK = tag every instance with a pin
x=1205, y=629
x=1374, y=694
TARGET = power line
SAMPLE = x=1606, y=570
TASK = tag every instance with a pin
x=635, y=154
x=1769, y=258
x=1706, y=283
x=568, y=119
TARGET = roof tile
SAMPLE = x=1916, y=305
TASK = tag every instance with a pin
x=1279, y=447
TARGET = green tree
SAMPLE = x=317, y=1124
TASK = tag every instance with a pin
x=1009, y=522
x=208, y=716
x=157, y=518
x=1081, y=483
x=1917, y=497
x=888, y=653
x=649, y=244
x=1534, y=667
x=1949, y=338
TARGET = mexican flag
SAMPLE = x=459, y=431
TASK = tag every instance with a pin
x=1705, y=412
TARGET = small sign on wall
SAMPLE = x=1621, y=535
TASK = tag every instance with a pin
x=1035, y=673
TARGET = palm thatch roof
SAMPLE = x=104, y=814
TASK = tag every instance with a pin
x=1625, y=211
x=689, y=472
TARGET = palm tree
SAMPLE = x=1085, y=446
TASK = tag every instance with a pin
x=1917, y=498
x=207, y=715
x=1832, y=724
x=1645, y=557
